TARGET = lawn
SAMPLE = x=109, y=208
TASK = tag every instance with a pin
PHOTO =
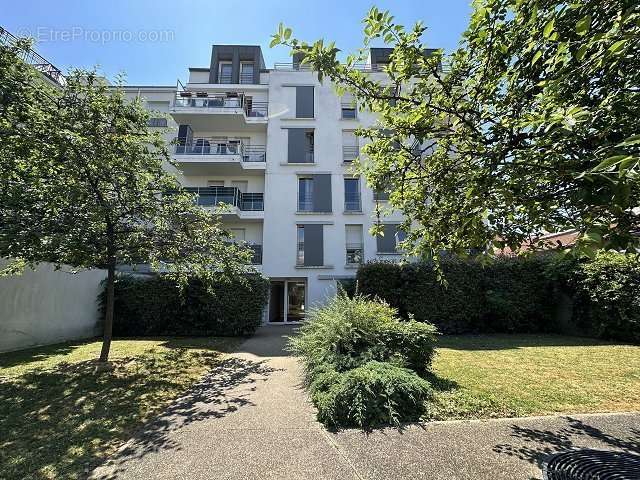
x=482, y=376
x=59, y=417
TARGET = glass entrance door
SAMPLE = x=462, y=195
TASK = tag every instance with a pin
x=296, y=301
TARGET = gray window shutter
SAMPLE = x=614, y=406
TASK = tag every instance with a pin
x=297, y=145
x=304, y=102
x=322, y=193
x=313, y=245
x=387, y=244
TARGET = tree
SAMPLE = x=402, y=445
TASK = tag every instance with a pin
x=530, y=126
x=82, y=183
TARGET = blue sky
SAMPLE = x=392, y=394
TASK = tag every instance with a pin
x=155, y=41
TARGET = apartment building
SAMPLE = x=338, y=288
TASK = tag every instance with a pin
x=276, y=146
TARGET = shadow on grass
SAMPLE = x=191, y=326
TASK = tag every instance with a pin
x=30, y=355
x=514, y=341
x=62, y=422
x=211, y=398
x=535, y=445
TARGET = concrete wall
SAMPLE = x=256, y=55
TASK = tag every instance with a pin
x=46, y=306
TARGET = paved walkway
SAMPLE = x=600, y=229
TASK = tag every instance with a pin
x=250, y=419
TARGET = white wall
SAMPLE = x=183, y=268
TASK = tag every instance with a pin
x=281, y=186
x=45, y=306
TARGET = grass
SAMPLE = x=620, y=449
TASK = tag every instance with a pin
x=484, y=376
x=60, y=416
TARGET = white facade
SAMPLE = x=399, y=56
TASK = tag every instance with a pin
x=237, y=148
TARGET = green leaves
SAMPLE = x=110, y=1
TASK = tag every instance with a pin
x=548, y=28
x=536, y=95
x=582, y=27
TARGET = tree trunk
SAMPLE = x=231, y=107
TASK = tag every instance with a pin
x=108, y=318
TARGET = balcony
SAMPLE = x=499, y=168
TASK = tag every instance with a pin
x=207, y=111
x=350, y=153
x=33, y=58
x=196, y=155
x=236, y=204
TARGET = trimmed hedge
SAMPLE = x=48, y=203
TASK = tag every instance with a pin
x=156, y=306
x=364, y=365
x=508, y=295
x=514, y=295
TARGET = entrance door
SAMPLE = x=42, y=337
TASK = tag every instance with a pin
x=296, y=302
x=276, y=302
x=287, y=302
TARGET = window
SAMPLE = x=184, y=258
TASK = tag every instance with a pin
x=352, y=195
x=304, y=102
x=314, y=193
x=300, y=254
x=225, y=72
x=237, y=235
x=305, y=194
x=300, y=145
x=348, y=107
x=246, y=72
x=354, y=244
x=350, y=150
x=310, y=241
x=157, y=122
x=381, y=195
x=389, y=242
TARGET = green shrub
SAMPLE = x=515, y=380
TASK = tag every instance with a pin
x=506, y=295
x=363, y=363
x=606, y=295
x=373, y=394
x=349, y=332
x=155, y=306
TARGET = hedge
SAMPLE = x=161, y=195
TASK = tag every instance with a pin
x=155, y=306
x=514, y=295
x=605, y=294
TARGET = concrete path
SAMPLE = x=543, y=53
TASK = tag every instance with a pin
x=250, y=419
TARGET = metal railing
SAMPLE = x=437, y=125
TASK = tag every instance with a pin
x=352, y=202
x=34, y=59
x=246, y=77
x=225, y=78
x=209, y=146
x=349, y=110
x=364, y=67
x=251, y=108
x=305, y=204
x=254, y=153
x=256, y=259
x=350, y=153
x=212, y=196
x=355, y=253
x=292, y=66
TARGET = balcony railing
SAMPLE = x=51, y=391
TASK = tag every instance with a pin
x=246, y=77
x=203, y=100
x=352, y=202
x=350, y=153
x=225, y=78
x=210, y=146
x=34, y=59
x=364, y=67
x=355, y=254
x=212, y=196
